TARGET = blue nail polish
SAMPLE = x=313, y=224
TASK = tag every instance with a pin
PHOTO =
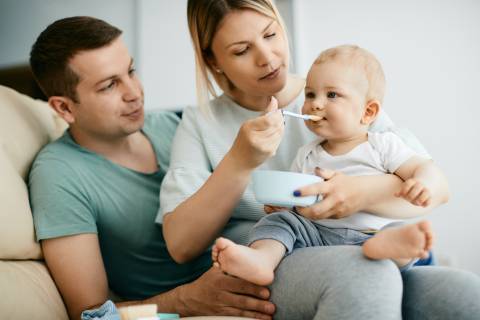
x=297, y=193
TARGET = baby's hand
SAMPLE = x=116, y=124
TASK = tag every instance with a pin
x=415, y=192
x=271, y=209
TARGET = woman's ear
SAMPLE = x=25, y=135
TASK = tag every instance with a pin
x=63, y=107
x=370, y=112
x=212, y=63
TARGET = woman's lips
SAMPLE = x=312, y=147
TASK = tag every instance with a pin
x=271, y=75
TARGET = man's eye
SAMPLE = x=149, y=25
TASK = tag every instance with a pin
x=309, y=95
x=132, y=71
x=109, y=86
x=332, y=95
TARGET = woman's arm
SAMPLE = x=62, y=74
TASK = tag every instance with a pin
x=191, y=228
x=76, y=265
x=195, y=223
x=344, y=195
x=424, y=183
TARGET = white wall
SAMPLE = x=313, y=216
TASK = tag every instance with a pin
x=21, y=21
x=165, y=55
x=430, y=51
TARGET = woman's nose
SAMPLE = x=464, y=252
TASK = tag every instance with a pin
x=264, y=55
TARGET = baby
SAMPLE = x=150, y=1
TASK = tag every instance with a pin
x=344, y=89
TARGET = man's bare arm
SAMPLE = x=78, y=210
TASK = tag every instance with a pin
x=76, y=265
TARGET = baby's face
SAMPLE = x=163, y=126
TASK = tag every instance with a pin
x=336, y=92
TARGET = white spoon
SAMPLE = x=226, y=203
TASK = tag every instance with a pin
x=301, y=116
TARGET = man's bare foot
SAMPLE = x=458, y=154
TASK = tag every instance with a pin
x=244, y=262
x=401, y=243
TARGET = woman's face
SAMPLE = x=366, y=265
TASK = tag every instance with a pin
x=251, y=51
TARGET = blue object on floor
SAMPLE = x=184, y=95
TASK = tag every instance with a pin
x=165, y=316
x=107, y=311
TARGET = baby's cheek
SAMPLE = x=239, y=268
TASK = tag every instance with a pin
x=314, y=129
x=306, y=108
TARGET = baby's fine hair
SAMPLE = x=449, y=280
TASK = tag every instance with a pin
x=362, y=58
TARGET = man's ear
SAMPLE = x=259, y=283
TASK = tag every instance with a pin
x=370, y=112
x=63, y=107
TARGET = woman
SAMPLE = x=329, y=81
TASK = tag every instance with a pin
x=243, y=45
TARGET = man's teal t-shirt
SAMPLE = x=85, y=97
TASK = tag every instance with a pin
x=75, y=191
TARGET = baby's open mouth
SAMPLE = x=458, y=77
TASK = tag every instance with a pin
x=315, y=118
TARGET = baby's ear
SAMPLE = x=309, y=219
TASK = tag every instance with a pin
x=370, y=112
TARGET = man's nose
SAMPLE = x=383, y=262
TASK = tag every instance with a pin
x=132, y=90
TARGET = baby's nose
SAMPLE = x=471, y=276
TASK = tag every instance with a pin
x=317, y=105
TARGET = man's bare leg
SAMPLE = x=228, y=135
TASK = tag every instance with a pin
x=401, y=244
x=256, y=263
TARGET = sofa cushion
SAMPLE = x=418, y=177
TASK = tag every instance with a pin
x=26, y=125
x=29, y=292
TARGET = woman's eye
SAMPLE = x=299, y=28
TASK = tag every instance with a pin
x=270, y=35
x=241, y=52
x=332, y=95
x=309, y=95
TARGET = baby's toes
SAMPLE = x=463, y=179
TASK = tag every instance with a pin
x=424, y=254
x=430, y=239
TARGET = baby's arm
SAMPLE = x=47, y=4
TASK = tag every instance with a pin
x=423, y=181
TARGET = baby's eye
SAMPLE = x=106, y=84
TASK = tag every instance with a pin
x=309, y=95
x=332, y=95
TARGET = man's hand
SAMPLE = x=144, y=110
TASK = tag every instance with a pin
x=415, y=192
x=216, y=293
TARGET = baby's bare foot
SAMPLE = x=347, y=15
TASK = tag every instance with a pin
x=243, y=262
x=402, y=243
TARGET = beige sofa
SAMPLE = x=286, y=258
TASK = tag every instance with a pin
x=26, y=289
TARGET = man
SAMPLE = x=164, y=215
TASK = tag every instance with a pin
x=94, y=192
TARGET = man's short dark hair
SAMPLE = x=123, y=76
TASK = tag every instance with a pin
x=60, y=42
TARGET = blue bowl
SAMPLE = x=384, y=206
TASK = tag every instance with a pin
x=276, y=187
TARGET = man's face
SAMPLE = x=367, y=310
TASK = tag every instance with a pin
x=110, y=96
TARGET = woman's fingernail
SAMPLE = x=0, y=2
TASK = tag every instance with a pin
x=297, y=193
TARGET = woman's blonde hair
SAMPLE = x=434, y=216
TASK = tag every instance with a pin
x=204, y=18
x=364, y=59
